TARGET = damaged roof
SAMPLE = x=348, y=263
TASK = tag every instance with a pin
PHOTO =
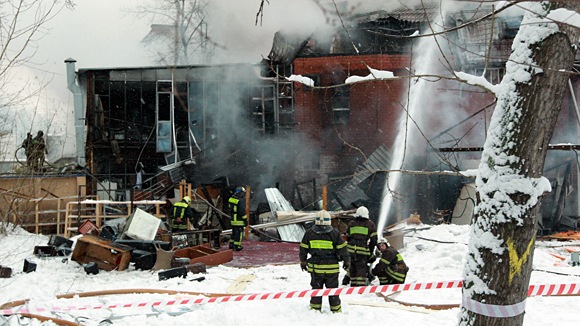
x=287, y=45
x=415, y=15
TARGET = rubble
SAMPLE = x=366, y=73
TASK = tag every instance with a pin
x=5, y=272
x=173, y=272
x=91, y=268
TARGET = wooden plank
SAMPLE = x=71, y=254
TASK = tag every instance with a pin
x=205, y=254
x=37, y=219
x=384, y=305
x=240, y=284
x=443, y=306
x=58, y=216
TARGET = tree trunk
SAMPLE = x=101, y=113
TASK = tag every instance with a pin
x=501, y=246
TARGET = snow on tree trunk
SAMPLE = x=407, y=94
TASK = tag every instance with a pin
x=509, y=181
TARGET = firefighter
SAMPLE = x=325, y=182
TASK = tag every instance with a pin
x=326, y=248
x=361, y=237
x=37, y=151
x=391, y=269
x=238, y=218
x=27, y=145
x=180, y=214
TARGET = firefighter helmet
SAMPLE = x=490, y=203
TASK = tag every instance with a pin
x=240, y=190
x=362, y=212
x=187, y=200
x=322, y=218
x=383, y=240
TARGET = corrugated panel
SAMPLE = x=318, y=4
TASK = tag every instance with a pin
x=277, y=202
x=349, y=195
x=378, y=160
x=416, y=14
x=291, y=232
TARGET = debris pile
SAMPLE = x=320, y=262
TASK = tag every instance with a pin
x=141, y=240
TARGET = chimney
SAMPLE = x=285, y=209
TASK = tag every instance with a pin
x=79, y=110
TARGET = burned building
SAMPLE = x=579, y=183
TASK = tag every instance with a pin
x=188, y=122
x=250, y=124
x=355, y=126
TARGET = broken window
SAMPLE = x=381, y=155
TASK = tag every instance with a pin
x=263, y=112
x=341, y=105
x=117, y=117
x=181, y=116
x=164, y=108
x=196, y=114
x=212, y=112
x=286, y=119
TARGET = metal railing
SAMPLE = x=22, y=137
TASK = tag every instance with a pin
x=98, y=209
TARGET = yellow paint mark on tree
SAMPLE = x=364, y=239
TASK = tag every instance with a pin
x=515, y=261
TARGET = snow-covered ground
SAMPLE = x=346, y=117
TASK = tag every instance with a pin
x=429, y=261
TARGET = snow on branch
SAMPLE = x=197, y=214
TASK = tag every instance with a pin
x=565, y=16
x=375, y=74
x=479, y=81
x=301, y=79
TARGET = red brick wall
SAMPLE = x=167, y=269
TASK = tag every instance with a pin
x=374, y=108
x=374, y=111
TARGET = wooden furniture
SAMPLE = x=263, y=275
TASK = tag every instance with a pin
x=106, y=254
x=205, y=254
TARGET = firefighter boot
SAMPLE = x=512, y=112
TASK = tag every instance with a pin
x=346, y=280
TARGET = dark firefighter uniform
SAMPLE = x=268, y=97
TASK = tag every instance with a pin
x=180, y=214
x=391, y=269
x=361, y=235
x=238, y=219
x=325, y=249
x=37, y=150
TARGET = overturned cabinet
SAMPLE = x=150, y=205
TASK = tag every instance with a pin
x=106, y=254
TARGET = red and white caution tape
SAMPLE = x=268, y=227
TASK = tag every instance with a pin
x=252, y=297
x=501, y=311
x=554, y=289
x=562, y=289
x=494, y=310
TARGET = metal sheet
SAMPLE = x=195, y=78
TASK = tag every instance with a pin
x=306, y=218
x=349, y=193
x=418, y=13
x=277, y=202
